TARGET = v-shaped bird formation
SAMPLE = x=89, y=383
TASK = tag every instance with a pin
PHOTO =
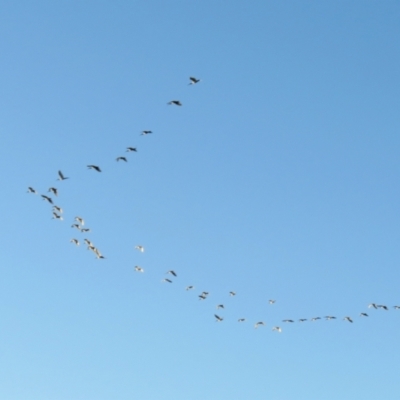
x=78, y=223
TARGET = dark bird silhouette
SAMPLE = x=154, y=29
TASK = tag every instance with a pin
x=59, y=209
x=218, y=318
x=363, y=314
x=56, y=216
x=241, y=319
x=382, y=306
x=302, y=319
x=175, y=102
x=348, y=319
x=95, y=167
x=220, y=306
x=172, y=272
x=259, y=324
x=189, y=287
x=288, y=320
x=31, y=190
x=122, y=159
x=167, y=280
x=47, y=199
x=129, y=149
x=232, y=293
x=193, y=80
x=146, y=132
x=61, y=176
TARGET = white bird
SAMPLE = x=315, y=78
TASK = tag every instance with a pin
x=193, y=80
x=88, y=242
x=140, y=248
x=271, y=301
x=348, y=319
x=77, y=226
x=396, y=307
x=139, y=269
x=175, y=102
x=75, y=241
x=61, y=176
x=218, y=318
x=372, y=305
x=259, y=324
x=277, y=328
x=31, y=190
x=80, y=220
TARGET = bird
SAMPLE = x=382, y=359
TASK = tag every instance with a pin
x=218, y=318
x=382, y=306
x=80, y=220
x=271, y=301
x=205, y=293
x=189, y=287
x=167, y=280
x=315, y=319
x=146, y=132
x=232, y=293
x=396, y=307
x=47, y=198
x=139, y=269
x=172, y=272
x=140, y=248
x=76, y=226
x=256, y=325
x=59, y=209
x=53, y=190
x=348, y=319
x=56, y=216
x=122, y=158
x=220, y=306
x=241, y=319
x=85, y=230
x=193, y=80
x=75, y=241
x=175, y=102
x=372, y=305
x=329, y=317
x=288, y=320
x=129, y=149
x=363, y=314
x=302, y=319
x=95, y=167
x=202, y=297
x=31, y=190
x=88, y=242
x=61, y=176
x=277, y=328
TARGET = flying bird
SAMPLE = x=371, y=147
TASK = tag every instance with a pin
x=85, y=230
x=329, y=317
x=220, y=306
x=53, y=190
x=80, y=220
x=193, y=80
x=189, y=287
x=277, y=329
x=315, y=319
x=232, y=293
x=271, y=301
x=129, y=149
x=76, y=226
x=302, y=319
x=175, y=102
x=288, y=320
x=139, y=269
x=122, y=159
x=56, y=216
x=372, y=305
x=31, y=190
x=396, y=307
x=140, y=248
x=241, y=319
x=61, y=176
x=172, y=272
x=95, y=167
x=218, y=318
x=59, y=209
x=47, y=198
x=202, y=297
x=363, y=314
x=75, y=241
x=167, y=280
x=258, y=324
x=146, y=132
x=348, y=319
x=382, y=306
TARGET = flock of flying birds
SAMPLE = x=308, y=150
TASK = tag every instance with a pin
x=79, y=224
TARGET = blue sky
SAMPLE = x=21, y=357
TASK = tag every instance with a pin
x=277, y=178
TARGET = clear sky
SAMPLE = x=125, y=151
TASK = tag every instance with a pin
x=278, y=178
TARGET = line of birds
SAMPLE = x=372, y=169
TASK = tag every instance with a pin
x=79, y=223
